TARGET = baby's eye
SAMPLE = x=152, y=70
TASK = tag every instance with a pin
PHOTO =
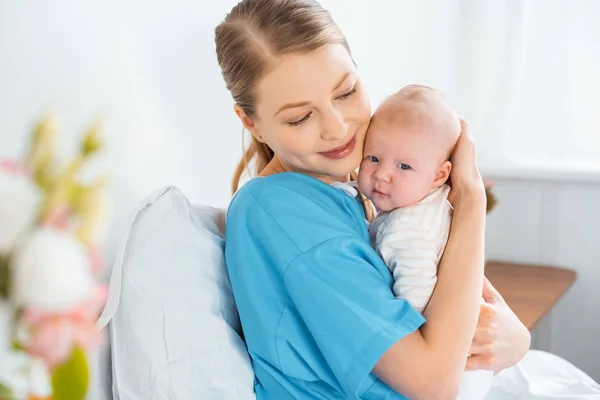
x=373, y=159
x=405, y=167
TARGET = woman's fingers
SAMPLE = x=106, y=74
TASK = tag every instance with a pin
x=479, y=348
x=477, y=362
x=465, y=173
x=490, y=294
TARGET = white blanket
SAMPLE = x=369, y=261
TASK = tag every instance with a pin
x=542, y=376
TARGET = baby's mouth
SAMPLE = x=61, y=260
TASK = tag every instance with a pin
x=379, y=193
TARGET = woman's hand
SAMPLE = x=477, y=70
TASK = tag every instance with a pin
x=501, y=340
x=465, y=176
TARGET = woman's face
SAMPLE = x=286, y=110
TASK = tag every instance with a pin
x=313, y=112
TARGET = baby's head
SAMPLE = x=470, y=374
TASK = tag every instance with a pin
x=407, y=149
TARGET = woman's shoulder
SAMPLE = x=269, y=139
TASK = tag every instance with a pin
x=285, y=180
x=296, y=204
x=288, y=190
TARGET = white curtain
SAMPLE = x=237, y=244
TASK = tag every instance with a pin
x=530, y=81
x=525, y=74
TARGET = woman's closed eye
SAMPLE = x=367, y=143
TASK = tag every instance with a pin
x=347, y=94
x=301, y=120
x=307, y=116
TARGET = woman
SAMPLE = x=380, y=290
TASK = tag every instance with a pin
x=315, y=300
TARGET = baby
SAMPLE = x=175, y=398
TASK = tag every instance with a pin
x=404, y=172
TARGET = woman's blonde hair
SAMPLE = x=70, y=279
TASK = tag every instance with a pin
x=252, y=34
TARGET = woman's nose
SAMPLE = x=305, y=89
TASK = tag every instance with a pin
x=334, y=126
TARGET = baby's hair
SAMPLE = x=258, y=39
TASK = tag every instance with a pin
x=414, y=96
x=415, y=92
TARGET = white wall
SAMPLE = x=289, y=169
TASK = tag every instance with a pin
x=149, y=67
x=554, y=222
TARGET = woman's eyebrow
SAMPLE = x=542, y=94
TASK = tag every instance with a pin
x=341, y=81
x=306, y=103
x=292, y=105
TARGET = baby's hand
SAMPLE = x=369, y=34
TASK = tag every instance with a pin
x=465, y=176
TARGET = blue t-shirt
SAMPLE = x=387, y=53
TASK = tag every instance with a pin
x=314, y=298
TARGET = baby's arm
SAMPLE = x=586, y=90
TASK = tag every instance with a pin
x=410, y=252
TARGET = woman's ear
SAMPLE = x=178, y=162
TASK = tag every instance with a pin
x=248, y=122
x=442, y=174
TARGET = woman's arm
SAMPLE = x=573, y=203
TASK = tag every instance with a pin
x=428, y=364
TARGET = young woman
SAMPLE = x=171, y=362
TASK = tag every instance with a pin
x=315, y=301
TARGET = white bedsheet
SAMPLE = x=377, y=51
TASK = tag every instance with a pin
x=542, y=376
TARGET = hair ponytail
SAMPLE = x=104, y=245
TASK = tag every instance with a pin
x=259, y=153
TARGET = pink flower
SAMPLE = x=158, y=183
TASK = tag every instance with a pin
x=54, y=335
x=97, y=260
x=14, y=167
x=58, y=218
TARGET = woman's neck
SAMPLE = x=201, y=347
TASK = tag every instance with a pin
x=275, y=166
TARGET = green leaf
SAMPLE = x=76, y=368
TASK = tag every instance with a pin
x=4, y=277
x=5, y=392
x=15, y=345
x=70, y=380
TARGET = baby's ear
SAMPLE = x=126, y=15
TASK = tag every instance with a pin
x=442, y=174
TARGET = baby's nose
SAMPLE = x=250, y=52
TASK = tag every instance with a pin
x=381, y=174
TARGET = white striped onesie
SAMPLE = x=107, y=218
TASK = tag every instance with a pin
x=411, y=241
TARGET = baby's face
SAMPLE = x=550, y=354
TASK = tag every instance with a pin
x=400, y=164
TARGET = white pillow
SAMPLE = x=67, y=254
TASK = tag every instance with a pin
x=174, y=332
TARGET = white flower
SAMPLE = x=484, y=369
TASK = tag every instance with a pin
x=13, y=372
x=24, y=375
x=19, y=202
x=19, y=372
x=6, y=314
x=39, y=379
x=51, y=271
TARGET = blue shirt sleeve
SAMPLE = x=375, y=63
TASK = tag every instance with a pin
x=348, y=305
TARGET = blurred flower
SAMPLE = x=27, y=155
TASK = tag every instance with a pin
x=41, y=157
x=14, y=167
x=91, y=207
x=97, y=261
x=53, y=336
x=19, y=202
x=6, y=315
x=52, y=216
x=51, y=271
x=92, y=143
x=24, y=376
x=58, y=217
